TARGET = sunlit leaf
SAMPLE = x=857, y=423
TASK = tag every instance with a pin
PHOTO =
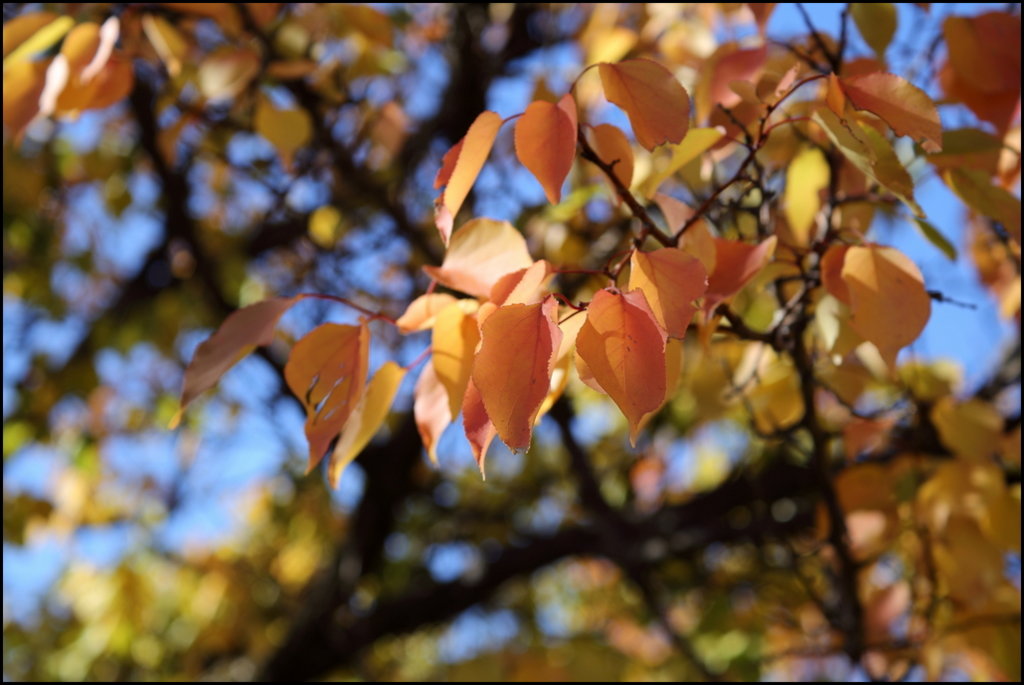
x=545, y=139
x=430, y=409
x=623, y=347
x=326, y=371
x=477, y=424
x=459, y=169
x=806, y=176
x=902, y=105
x=736, y=263
x=671, y=280
x=454, y=343
x=887, y=297
x=513, y=368
x=612, y=146
x=422, y=312
x=657, y=105
x=365, y=419
x=480, y=253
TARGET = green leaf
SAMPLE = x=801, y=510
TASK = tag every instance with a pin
x=935, y=237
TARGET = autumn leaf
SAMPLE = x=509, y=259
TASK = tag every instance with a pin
x=480, y=253
x=832, y=272
x=477, y=425
x=696, y=142
x=240, y=333
x=288, y=130
x=454, y=345
x=671, y=280
x=460, y=167
x=657, y=105
x=513, y=368
x=430, y=409
x=365, y=419
x=903, y=106
x=525, y=286
x=545, y=140
x=326, y=371
x=736, y=264
x=876, y=22
x=888, y=301
x=422, y=312
x=613, y=148
x=224, y=74
x=806, y=176
x=623, y=347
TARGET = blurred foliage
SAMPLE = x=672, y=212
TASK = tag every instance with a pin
x=167, y=163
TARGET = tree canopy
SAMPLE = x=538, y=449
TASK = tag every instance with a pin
x=511, y=341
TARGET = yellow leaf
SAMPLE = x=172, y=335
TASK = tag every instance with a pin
x=970, y=429
x=513, y=369
x=806, y=176
x=889, y=304
x=545, y=141
x=460, y=167
x=366, y=418
x=171, y=47
x=325, y=225
x=224, y=74
x=41, y=39
x=657, y=105
x=623, y=348
x=23, y=86
x=876, y=22
x=289, y=130
x=454, y=343
x=480, y=253
x=696, y=142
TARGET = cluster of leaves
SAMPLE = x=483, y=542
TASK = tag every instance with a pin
x=721, y=264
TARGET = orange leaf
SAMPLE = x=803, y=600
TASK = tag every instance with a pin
x=513, y=368
x=23, y=85
x=460, y=167
x=479, y=429
x=832, y=273
x=327, y=370
x=657, y=105
x=431, y=410
x=455, y=338
x=623, y=347
x=899, y=103
x=612, y=146
x=670, y=280
x=525, y=286
x=240, y=333
x=736, y=263
x=422, y=312
x=546, y=145
x=888, y=300
x=738, y=65
x=480, y=253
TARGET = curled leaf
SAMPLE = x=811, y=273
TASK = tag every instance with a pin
x=326, y=371
x=460, y=167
